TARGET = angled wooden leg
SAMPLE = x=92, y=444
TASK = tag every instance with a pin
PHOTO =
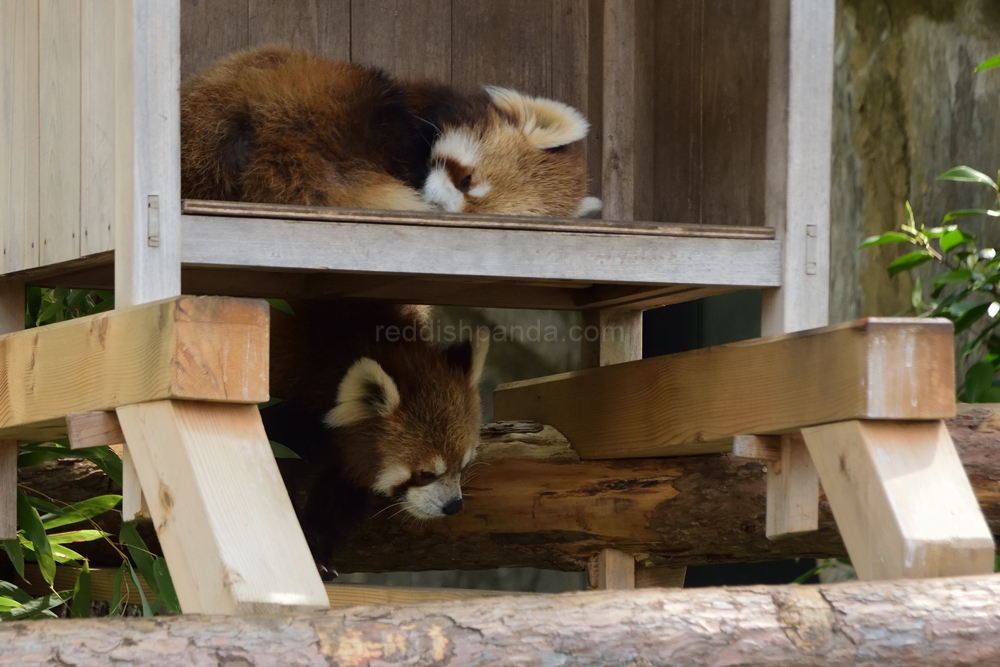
x=901, y=499
x=792, y=491
x=221, y=512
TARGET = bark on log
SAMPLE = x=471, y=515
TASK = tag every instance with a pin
x=534, y=504
x=931, y=623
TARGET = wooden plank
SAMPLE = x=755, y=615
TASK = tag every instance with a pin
x=792, y=491
x=197, y=348
x=902, y=501
x=322, y=27
x=502, y=44
x=98, y=103
x=610, y=337
x=797, y=195
x=628, y=110
x=93, y=429
x=11, y=319
x=19, y=130
x=879, y=368
x=758, y=447
x=221, y=512
x=59, y=103
x=411, y=39
x=493, y=253
x=612, y=570
x=211, y=29
x=734, y=111
x=660, y=577
x=325, y=213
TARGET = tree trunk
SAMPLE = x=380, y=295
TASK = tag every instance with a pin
x=931, y=623
x=533, y=503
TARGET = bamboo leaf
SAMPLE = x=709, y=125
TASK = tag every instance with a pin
x=16, y=555
x=280, y=451
x=37, y=607
x=81, y=593
x=116, y=589
x=908, y=261
x=7, y=604
x=166, y=584
x=146, y=609
x=989, y=63
x=140, y=555
x=282, y=305
x=31, y=524
x=76, y=536
x=965, y=174
x=81, y=511
x=978, y=379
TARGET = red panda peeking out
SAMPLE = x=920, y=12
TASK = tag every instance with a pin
x=280, y=126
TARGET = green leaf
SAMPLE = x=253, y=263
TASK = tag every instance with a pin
x=81, y=511
x=10, y=590
x=282, y=305
x=280, y=451
x=146, y=609
x=36, y=607
x=6, y=604
x=105, y=459
x=910, y=260
x=166, y=585
x=116, y=589
x=958, y=276
x=978, y=379
x=16, y=555
x=967, y=175
x=989, y=63
x=991, y=395
x=952, y=240
x=31, y=524
x=970, y=317
x=140, y=555
x=81, y=593
x=886, y=238
x=76, y=536
x=967, y=212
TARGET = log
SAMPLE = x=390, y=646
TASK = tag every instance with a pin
x=932, y=623
x=556, y=512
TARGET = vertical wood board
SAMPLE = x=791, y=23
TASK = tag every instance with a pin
x=59, y=104
x=11, y=319
x=792, y=491
x=320, y=26
x=411, y=39
x=211, y=29
x=19, y=127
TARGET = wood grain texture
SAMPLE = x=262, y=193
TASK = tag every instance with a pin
x=188, y=347
x=221, y=512
x=610, y=337
x=411, y=39
x=319, y=26
x=695, y=402
x=792, y=491
x=934, y=623
x=60, y=133
x=19, y=134
x=210, y=29
x=613, y=571
x=93, y=429
x=11, y=319
x=901, y=498
x=660, y=577
x=759, y=447
x=485, y=253
x=797, y=178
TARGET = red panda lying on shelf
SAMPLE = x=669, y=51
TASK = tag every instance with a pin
x=280, y=126
x=367, y=416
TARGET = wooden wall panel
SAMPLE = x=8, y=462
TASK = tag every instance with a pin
x=209, y=30
x=411, y=39
x=59, y=104
x=19, y=146
x=320, y=26
x=503, y=43
x=97, y=141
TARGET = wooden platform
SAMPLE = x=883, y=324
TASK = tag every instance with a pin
x=503, y=261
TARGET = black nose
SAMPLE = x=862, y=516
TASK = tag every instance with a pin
x=452, y=506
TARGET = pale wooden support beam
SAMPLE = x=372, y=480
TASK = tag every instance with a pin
x=901, y=499
x=93, y=429
x=194, y=348
x=758, y=447
x=221, y=512
x=611, y=570
x=610, y=337
x=660, y=577
x=695, y=402
x=792, y=491
x=11, y=319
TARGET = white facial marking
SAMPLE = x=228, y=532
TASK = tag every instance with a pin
x=439, y=466
x=459, y=145
x=440, y=191
x=426, y=502
x=468, y=456
x=481, y=190
x=390, y=477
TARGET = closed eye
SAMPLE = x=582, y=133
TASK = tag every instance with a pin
x=425, y=477
x=465, y=184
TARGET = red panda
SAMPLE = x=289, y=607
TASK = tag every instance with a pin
x=280, y=126
x=369, y=416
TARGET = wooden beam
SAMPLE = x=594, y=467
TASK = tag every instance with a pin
x=12, y=317
x=695, y=402
x=476, y=252
x=221, y=512
x=93, y=429
x=198, y=348
x=660, y=577
x=759, y=447
x=903, y=503
x=792, y=491
x=933, y=623
x=611, y=570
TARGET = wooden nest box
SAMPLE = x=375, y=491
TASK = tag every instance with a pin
x=710, y=148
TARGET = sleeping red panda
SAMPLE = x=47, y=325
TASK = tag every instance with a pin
x=280, y=126
x=369, y=417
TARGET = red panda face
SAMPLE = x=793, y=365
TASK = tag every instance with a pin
x=512, y=162
x=422, y=425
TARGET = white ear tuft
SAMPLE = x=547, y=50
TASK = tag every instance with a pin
x=546, y=123
x=480, y=346
x=587, y=206
x=366, y=391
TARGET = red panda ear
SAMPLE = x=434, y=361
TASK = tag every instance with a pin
x=546, y=123
x=469, y=357
x=366, y=391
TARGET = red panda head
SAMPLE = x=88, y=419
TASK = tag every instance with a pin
x=421, y=417
x=512, y=160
